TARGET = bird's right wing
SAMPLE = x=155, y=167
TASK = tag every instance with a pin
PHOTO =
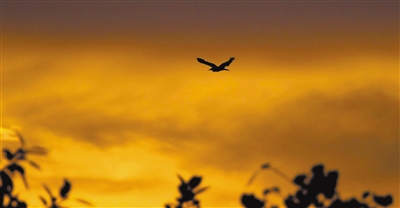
x=225, y=64
x=206, y=63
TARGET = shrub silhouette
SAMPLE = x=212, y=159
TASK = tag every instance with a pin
x=317, y=189
x=188, y=193
x=320, y=185
x=7, y=198
x=13, y=165
x=55, y=201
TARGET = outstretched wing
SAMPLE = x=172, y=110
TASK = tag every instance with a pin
x=223, y=65
x=206, y=63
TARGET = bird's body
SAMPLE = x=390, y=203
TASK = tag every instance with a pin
x=214, y=67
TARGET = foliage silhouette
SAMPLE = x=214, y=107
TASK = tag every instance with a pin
x=320, y=191
x=13, y=165
x=317, y=189
x=55, y=201
x=188, y=193
x=7, y=198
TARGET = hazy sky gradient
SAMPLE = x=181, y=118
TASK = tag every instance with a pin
x=115, y=91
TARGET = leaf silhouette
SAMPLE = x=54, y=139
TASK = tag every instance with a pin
x=194, y=182
x=7, y=184
x=84, y=202
x=299, y=180
x=266, y=191
x=330, y=184
x=184, y=189
x=196, y=202
x=365, y=194
x=276, y=189
x=265, y=166
x=43, y=200
x=20, y=137
x=8, y=154
x=181, y=179
x=20, y=154
x=48, y=190
x=383, y=200
x=34, y=164
x=25, y=181
x=250, y=201
x=37, y=150
x=65, y=189
x=201, y=190
x=186, y=196
x=16, y=167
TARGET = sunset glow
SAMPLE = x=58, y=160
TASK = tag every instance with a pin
x=114, y=91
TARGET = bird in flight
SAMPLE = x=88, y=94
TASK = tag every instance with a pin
x=214, y=67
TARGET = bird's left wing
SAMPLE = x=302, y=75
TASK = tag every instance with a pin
x=225, y=64
x=206, y=62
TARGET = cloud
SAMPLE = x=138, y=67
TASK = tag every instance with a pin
x=123, y=110
x=355, y=132
x=205, y=122
x=362, y=124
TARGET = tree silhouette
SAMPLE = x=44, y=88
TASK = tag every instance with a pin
x=316, y=189
x=188, y=191
x=7, y=198
x=55, y=201
x=320, y=191
x=13, y=166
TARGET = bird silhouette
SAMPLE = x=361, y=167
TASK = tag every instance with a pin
x=214, y=67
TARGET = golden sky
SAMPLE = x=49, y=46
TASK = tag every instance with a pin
x=114, y=90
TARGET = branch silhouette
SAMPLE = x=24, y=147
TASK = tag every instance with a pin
x=13, y=165
x=320, y=191
x=188, y=191
x=315, y=189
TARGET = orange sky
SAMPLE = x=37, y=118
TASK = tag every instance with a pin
x=123, y=105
